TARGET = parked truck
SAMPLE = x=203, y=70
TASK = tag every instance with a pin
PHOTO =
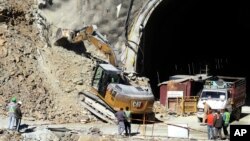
x=222, y=92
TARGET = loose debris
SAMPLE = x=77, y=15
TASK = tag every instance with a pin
x=34, y=72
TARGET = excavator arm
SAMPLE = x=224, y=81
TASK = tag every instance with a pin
x=91, y=34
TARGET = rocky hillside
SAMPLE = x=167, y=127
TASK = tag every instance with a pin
x=45, y=79
x=48, y=78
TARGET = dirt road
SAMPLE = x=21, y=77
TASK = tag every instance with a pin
x=157, y=131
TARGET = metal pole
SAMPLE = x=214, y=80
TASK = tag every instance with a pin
x=193, y=67
x=206, y=69
x=158, y=77
x=138, y=128
x=189, y=69
x=153, y=129
x=144, y=129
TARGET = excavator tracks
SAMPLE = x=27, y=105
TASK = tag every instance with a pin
x=98, y=107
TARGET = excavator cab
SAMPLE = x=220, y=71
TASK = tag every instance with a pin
x=104, y=75
x=109, y=84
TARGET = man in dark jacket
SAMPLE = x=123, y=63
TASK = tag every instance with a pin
x=120, y=115
x=128, y=121
x=18, y=115
x=218, y=122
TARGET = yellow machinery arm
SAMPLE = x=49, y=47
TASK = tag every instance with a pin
x=93, y=36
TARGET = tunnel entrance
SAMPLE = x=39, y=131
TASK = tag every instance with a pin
x=182, y=37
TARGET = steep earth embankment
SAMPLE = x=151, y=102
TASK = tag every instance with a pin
x=48, y=78
x=45, y=79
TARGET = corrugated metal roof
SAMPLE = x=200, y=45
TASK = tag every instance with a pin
x=182, y=78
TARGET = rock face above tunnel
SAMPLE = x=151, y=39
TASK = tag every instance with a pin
x=109, y=16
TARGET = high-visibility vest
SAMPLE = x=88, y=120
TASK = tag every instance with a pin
x=128, y=115
x=11, y=108
x=226, y=117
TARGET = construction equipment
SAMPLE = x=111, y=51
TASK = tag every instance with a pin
x=111, y=89
x=222, y=92
x=90, y=34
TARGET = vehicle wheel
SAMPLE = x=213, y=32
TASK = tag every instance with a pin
x=199, y=119
x=150, y=117
x=237, y=114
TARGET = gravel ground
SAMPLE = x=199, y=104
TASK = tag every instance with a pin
x=157, y=131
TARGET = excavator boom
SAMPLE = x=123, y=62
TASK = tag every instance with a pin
x=111, y=89
x=91, y=34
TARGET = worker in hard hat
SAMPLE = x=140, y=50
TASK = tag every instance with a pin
x=11, y=107
x=18, y=115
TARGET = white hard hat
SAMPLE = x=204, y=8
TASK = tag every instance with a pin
x=19, y=102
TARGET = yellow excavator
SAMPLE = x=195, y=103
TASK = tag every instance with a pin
x=109, y=83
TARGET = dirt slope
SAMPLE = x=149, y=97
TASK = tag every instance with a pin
x=45, y=81
x=48, y=78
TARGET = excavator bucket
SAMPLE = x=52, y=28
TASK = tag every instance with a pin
x=64, y=34
x=89, y=33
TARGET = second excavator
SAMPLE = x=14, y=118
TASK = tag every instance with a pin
x=111, y=88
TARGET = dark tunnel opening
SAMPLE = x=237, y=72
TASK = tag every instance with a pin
x=192, y=34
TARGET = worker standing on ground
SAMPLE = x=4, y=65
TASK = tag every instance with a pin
x=210, y=125
x=11, y=107
x=206, y=111
x=120, y=115
x=128, y=122
x=226, y=119
x=18, y=115
x=218, y=122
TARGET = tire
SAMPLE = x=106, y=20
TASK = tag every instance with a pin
x=150, y=117
x=199, y=120
x=238, y=114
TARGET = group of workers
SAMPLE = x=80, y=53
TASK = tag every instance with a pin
x=124, y=121
x=14, y=114
x=216, y=121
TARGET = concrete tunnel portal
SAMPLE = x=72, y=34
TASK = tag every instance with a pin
x=182, y=37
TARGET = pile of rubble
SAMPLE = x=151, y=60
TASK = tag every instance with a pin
x=19, y=75
x=42, y=77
